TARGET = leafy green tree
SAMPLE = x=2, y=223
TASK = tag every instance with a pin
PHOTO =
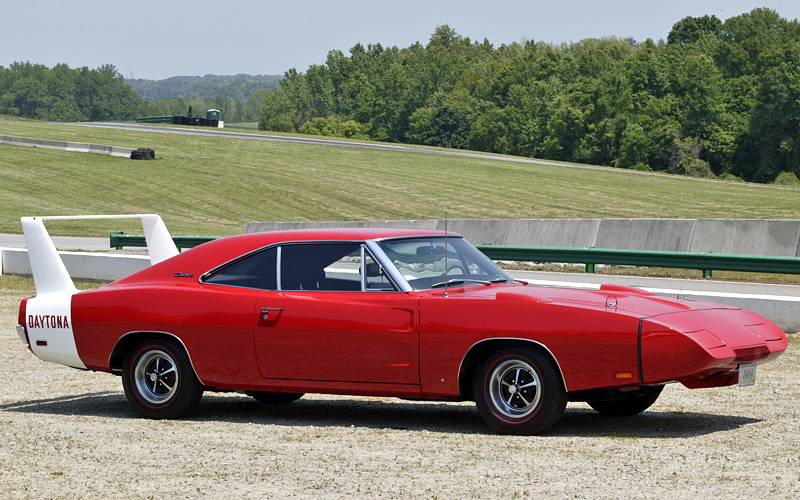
x=715, y=99
x=692, y=29
x=27, y=97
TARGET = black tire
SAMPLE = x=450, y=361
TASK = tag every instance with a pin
x=275, y=398
x=159, y=381
x=628, y=403
x=519, y=390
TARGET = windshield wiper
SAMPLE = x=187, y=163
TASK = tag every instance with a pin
x=458, y=281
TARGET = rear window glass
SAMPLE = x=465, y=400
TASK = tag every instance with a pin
x=255, y=271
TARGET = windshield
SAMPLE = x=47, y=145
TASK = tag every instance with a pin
x=423, y=262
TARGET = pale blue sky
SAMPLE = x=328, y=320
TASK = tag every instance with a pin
x=161, y=38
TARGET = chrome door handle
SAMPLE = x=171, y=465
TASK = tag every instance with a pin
x=265, y=311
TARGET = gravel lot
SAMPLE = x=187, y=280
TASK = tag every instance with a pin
x=65, y=433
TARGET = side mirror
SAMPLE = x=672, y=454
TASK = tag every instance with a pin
x=374, y=270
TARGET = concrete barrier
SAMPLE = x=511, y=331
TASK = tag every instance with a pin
x=779, y=238
x=749, y=237
x=578, y=233
x=79, y=147
x=673, y=235
x=80, y=265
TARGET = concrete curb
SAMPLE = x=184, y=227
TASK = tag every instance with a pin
x=79, y=147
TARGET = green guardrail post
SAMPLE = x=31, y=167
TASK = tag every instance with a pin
x=590, y=268
x=706, y=273
x=119, y=240
x=114, y=240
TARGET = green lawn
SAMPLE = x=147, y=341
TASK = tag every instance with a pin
x=214, y=186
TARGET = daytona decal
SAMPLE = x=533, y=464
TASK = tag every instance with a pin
x=47, y=321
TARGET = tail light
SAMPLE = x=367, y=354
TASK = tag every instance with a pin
x=21, y=330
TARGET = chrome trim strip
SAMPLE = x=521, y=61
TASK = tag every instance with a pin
x=363, y=270
x=379, y=255
x=419, y=236
x=188, y=355
x=279, y=253
x=461, y=364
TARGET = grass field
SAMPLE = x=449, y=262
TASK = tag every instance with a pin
x=214, y=186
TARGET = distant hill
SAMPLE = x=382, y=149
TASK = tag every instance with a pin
x=237, y=87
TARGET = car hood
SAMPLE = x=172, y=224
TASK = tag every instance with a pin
x=621, y=299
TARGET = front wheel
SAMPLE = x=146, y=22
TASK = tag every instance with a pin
x=628, y=403
x=159, y=381
x=519, y=390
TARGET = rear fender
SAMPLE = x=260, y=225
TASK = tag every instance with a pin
x=128, y=342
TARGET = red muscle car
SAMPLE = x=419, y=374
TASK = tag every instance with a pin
x=381, y=312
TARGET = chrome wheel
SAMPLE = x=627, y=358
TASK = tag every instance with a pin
x=156, y=377
x=514, y=388
x=159, y=380
x=518, y=390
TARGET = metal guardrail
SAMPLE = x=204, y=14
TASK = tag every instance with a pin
x=706, y=262
x=154, y=119
x=119, y=240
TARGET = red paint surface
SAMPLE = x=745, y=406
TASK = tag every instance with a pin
x=407, y=344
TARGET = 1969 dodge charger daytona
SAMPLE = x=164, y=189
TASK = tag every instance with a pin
x=382, y=312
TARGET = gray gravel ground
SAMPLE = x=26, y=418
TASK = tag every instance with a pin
x=65, y=433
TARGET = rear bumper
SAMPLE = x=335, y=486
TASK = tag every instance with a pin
x=23, y=336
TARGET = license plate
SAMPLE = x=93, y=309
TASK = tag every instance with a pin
x=747, y=374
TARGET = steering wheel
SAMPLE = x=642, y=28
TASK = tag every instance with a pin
x=455, y=269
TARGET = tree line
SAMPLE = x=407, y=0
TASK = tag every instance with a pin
x=231, y=110
x=717, y=99
x=238, y=98
x=208, y=87
x=63, y=94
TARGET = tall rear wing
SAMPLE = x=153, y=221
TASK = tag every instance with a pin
x=49, y=273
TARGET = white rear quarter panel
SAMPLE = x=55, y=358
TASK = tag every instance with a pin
x=49, y=324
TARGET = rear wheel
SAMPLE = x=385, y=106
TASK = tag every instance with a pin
x=518, y=390
x=628, y=403
x=274, y=398
x=159, y=381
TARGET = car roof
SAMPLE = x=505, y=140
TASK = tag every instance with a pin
x=216, y=252
x=345, y=233
x=258, y=240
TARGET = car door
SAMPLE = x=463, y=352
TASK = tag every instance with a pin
x=326, y=323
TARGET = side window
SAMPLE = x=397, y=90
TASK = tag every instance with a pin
x=255, y=271
x=321, y=266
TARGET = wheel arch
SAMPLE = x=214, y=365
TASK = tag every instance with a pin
x=127, y=342
x=478, y=350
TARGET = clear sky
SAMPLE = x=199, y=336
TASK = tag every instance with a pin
x=157, y=39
